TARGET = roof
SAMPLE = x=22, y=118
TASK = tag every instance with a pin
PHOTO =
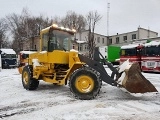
x=79, y=41
x=153, y=43
x=129, y=46
x=8, y=51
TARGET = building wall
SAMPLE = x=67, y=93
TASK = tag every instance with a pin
x=122, y=37
x=144, y=33
x=82, y=36
x=141, y=33
x=100, y=40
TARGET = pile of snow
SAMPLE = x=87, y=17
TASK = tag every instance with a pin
x=36, y=63
x=125, y=65
x=122, y=68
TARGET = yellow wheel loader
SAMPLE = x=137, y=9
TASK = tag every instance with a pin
x=57, y=64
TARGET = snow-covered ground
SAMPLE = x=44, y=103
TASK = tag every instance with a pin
x=51, y=102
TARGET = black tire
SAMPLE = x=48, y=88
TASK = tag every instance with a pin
x=28, y=82
x=85, y=83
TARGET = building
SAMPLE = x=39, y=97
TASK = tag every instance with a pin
x=140, y=33
x=82, y=41
x=100, y=40
x=118, y=39
x=79, y=41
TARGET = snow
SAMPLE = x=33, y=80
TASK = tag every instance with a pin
x=120, y=80
x=51, y=102
x=79, y=41
x=0, y=63
x=36, y=63
x=27, y=52
x=153, y=43
x=43, y=52
x=124, y=65
x=129, y=46
x=73, y=50
x=8, y=51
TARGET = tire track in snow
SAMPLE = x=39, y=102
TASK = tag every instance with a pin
x=26, y=107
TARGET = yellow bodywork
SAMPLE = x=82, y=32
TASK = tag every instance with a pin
x=44, y=68
x=47, y=64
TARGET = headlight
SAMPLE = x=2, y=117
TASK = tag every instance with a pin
x=142, y=63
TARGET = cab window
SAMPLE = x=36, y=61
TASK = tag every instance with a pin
x=44, y=42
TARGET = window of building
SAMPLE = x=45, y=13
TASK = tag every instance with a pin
x=133, y=36
x=117, y=39
x=80, y=47
x=73, y=46
x=124, y=38
x=95, y=40
x=110, y=41
x=103, y=40
x=85, y=47
x=98, y=39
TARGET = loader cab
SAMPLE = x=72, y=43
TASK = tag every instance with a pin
x=56, y=38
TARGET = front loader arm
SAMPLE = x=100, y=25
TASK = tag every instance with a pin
x=132, y=79
x=96, y=56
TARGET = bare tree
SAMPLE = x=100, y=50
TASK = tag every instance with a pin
x=56, y=20
x=92, y=18
x=3, y=30
x=73, y=20
x=25, y=26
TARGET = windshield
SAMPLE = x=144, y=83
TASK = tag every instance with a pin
x=56, y=40
x=151, y=51
x=9, y=56
x=128, y=52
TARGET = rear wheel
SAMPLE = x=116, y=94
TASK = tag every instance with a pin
x=29, y=83
x=85, y=83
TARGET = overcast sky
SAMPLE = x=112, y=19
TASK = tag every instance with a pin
x=124, y=15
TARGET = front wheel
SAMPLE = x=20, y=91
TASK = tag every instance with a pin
x=29, y=83
x=85, y=83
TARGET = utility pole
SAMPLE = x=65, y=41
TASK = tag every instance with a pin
x=108, y=7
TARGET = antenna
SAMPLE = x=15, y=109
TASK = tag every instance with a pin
x=108, y=7
x=148, y=32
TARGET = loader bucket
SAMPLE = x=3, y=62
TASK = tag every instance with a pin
x=135, y=82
